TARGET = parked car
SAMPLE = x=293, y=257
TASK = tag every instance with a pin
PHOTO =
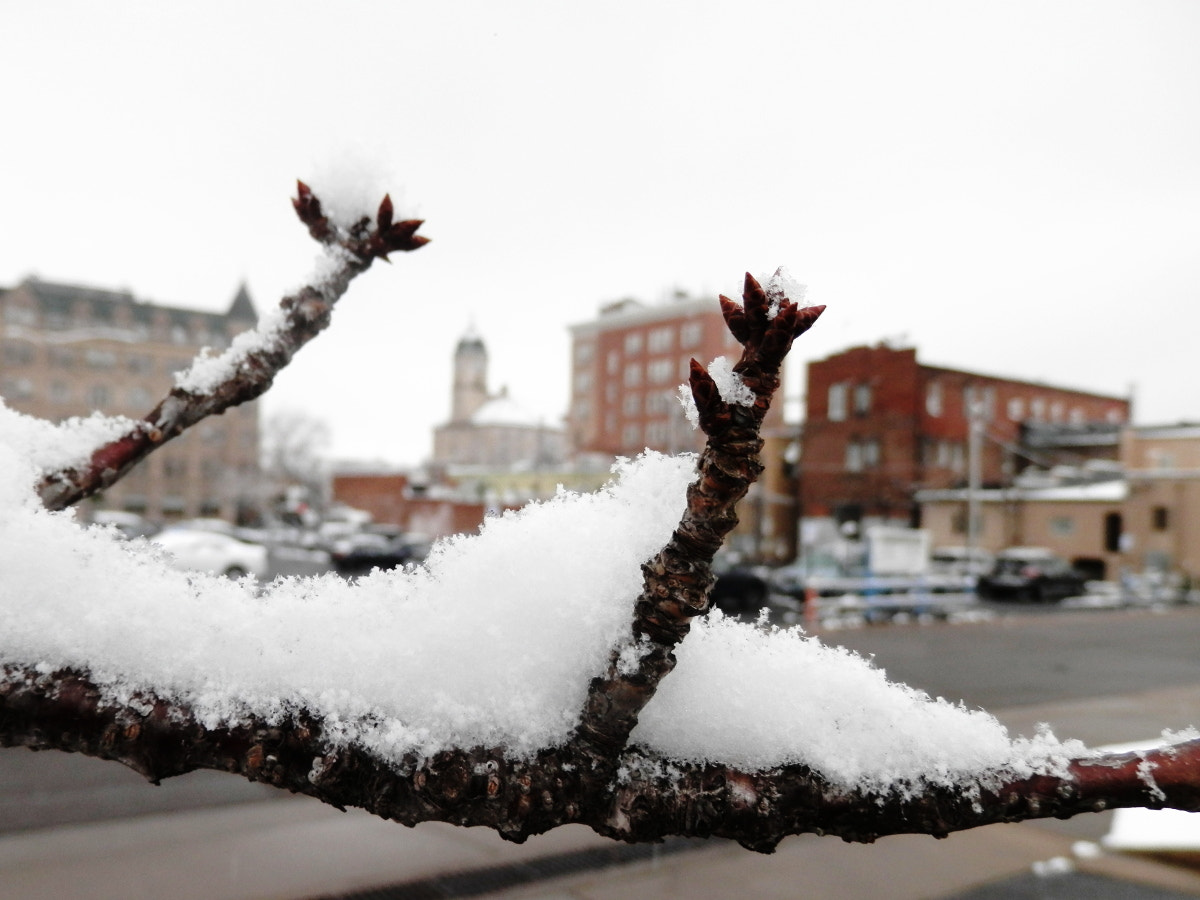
x=359, y=554
x=738, y=588
x=200, y=550
x=1031, y=573
x=128, y=525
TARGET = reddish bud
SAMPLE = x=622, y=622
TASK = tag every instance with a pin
x=384, y=219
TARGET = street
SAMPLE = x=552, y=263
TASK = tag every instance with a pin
x=1025, y=656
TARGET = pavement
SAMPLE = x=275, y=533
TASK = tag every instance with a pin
x=293, y=848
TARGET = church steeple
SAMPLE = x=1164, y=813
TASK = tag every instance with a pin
x=242, y=307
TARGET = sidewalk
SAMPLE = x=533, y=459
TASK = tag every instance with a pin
x=294, y=848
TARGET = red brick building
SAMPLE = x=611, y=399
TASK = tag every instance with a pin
x=880, y=425
x=626, y=367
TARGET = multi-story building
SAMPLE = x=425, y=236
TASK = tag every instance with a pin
x=68, y=351
x=626, y=366
x=880, y=426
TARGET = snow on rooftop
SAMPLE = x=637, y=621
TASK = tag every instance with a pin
x=495, y=641
x=504, y=410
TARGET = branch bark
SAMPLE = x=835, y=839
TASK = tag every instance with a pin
x=520, y=797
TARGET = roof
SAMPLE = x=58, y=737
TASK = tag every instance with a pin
x=59, y=298
x=1111, y=491
x=504, y=411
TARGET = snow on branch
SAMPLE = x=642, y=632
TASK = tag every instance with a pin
x=213, y=384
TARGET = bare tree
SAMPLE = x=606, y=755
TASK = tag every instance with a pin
x=598, y=777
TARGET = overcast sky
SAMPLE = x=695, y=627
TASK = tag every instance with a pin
x=1011, y=187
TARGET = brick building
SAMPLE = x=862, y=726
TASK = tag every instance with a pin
x=880, y=425
x=67, y=351
x=626, y=367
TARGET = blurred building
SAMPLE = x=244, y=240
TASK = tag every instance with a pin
x=626, y=368
x=880, y=426
x=67, y=351
x=490, y=431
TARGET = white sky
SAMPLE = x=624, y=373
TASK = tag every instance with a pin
x=1013, y=186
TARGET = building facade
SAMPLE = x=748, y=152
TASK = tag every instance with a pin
x=1141, y=516
x=626, y=367
x=490, y=431
x=880, y=426
x=68, y=351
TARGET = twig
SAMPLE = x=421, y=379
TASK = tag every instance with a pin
x=252, y=365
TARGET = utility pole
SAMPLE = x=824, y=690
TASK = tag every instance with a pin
x=974, y=465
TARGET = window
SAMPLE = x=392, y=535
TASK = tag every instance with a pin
x=870, y=453
x=633, y=343
x=631, y=436
x=1037, y=409
x=633, y=375
x=837, y=402
x=1160, y=518
x=632, y=405
x=1056, y=412
x=862, y=399
x=60, y=392
x=583, y=381
x=1062, y=526
x=659, y=340
x=689, y=334
x=1113, y=532
x=933, y=398
x=100, y=359
x=659, y=371
x=18, y=353
x=614, y=362
x=62, y=357
x=1016, y=409
x=584, y=350
x=854, y=456
x=99, y=396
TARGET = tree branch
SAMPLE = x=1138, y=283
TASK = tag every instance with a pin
x=653, y=797
x=254, y=359
x=678, y=580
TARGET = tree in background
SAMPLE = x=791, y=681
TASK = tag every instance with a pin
x=584, y=681
x=294, y=444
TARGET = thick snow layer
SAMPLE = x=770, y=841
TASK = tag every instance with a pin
x=759, y=697
x=493, y=642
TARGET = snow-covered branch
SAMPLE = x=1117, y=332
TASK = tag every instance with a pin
x=247, y=369
x=650, y=797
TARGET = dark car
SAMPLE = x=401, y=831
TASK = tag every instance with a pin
x=738, y=589
x=359, y=554
x=1031, y=573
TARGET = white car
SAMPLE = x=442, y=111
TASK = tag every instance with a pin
x=210, y=551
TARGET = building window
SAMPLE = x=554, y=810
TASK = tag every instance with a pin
x=837, y=402
x=870, y=453
x=1037, y=409
x=633, y=343
x=62, y=357
x=1113, y=532
x=933, y=398
x=99, y=396
x=631, y=435
x=633, y=375
x=583, y=381
x=659, y=371
x=1062, y=526
x=689, y=334
x=18, y=353
x=632, y=405
x=60, y=392
x=584, y=350
x=659, y=340
x=614, y=362
x=1016, y=409
x=100, y=359
x=854, y=456
x=1160, y=518
x=862, y=399
x=16, y=388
